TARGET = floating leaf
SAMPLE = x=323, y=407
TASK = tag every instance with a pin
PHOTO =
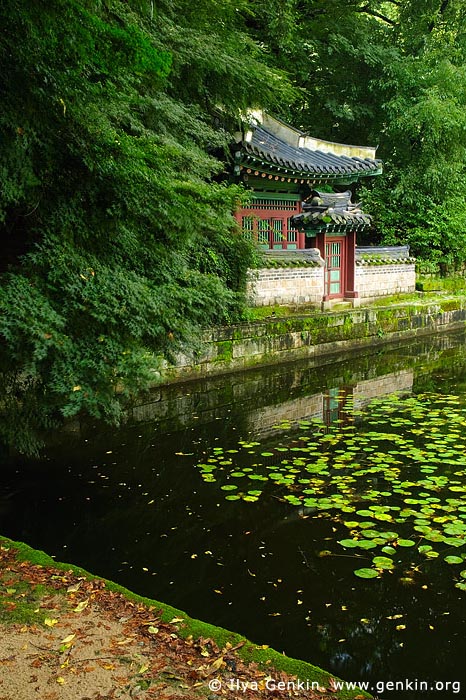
x=367, y=544
x=383, y=562
x=424, y=548
x=349, y=543
x=389, y=550
x=366, y=573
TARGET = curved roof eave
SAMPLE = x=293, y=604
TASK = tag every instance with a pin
x=274, y=152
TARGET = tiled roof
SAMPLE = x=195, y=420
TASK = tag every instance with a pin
x=332, y=211
x=383, y=255
x=268, y=149
x=309, y=257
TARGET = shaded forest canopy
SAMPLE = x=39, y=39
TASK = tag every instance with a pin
x=116, y=232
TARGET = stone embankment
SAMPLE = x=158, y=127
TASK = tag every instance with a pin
x=295, y=337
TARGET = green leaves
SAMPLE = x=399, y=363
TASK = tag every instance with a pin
x=383, y=563
x=424, y=141
x=120, y=244
x=451, y=559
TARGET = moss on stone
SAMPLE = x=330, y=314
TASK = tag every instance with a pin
x=450, y=305
x=26, y=601
x=224, y=351
x=294, y=336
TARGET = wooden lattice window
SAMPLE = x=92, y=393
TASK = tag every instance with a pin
x=263, y=231
x=247, y=225
x=277, y=231
x=291, y=232
x=272, y=204
x=266, y=219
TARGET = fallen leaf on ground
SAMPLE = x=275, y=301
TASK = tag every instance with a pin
x=50, y=622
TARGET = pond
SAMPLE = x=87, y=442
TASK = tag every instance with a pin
x=318, y=509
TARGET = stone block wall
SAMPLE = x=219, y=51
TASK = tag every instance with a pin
x=286, y=286
x=275, y=340
x=373, y=281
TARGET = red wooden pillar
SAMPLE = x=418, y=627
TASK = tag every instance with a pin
x=301, y=236
x=350, y=292
x=320, y=243
x=321, y=240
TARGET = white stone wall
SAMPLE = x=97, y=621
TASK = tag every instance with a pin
x=286, y=286
x=305, y=285
x=374, y=281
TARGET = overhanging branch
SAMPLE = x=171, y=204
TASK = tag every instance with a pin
x=373, y=13
x=441, y=12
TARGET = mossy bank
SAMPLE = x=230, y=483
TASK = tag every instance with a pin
x=276, y=339
x=265, y=658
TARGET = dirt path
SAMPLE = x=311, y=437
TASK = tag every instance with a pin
x=68, y=637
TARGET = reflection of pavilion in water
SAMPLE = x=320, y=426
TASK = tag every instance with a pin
x=325, y=407
x=260, y=400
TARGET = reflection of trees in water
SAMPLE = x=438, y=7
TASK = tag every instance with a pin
x=23, y=426
x=25, y=414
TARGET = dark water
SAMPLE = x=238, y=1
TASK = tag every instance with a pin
x=129, y=504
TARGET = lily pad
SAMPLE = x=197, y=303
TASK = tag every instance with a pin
x=383, y=562
x=451, y=559
x=349, y=543
x=366, y=573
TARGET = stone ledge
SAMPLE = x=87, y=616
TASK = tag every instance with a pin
x=300, y=337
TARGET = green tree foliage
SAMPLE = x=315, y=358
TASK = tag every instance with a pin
x=423, y=97
x=119, y=243
x=335, y=53
x=392, y=73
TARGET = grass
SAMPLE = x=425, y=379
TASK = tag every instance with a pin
x=452, y=289
x=430, y=283
x=264, y=313
x=19, y=601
